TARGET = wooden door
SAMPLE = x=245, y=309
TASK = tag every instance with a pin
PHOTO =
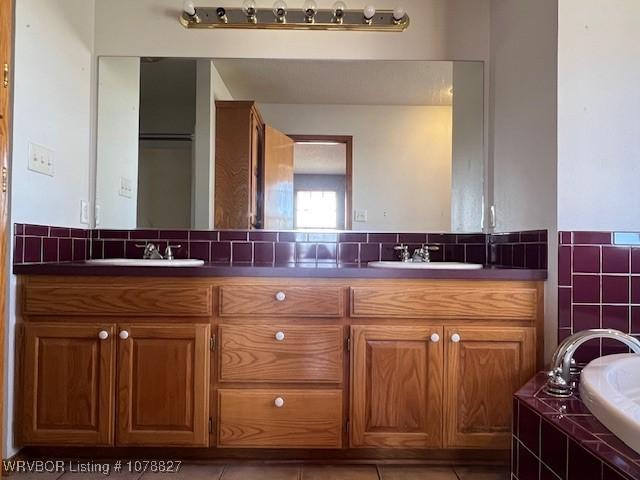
x=278, y=180
x=68, y=384
x=396, y=386
x=484, y=368
x=256, y=200
x=163, y=385
x=6, y=38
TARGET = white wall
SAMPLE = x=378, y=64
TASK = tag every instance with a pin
x=209, y=88
x=598, y=126
x=440, y=30
x=54, y=95
x=117, y=140
x=468, y=147
x=522, y=130
x=401, y=159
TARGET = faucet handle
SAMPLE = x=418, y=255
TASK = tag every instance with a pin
x=402, y=247
x=168, y=252
x=430, y=248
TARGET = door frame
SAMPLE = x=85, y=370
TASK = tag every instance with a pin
x=347, y=140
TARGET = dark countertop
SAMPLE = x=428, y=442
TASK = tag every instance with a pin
x=329, y=270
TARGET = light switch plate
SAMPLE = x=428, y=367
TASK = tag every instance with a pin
x=359, y=215
x=41, y=160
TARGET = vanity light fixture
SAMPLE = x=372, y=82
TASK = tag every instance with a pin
x=250, y=10
x=338, y=11
x=280, y=11
x=310, y=8
x=190, y=11
x=368, y=13
x=306, y=17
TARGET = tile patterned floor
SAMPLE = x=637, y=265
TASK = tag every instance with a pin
x=292, y=472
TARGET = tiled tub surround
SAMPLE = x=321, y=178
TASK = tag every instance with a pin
x=598, y=287
x=46, y=244
x=263, y=248
x=559, y=439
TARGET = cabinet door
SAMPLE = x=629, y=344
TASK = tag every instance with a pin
x=163, y=385
x=484, y=367
x=68, y=384
x=256, y=200
x=396, y=386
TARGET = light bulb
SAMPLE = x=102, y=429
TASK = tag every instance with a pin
x=399, y=13
x=280, y=9
x=338, y=9
x=249, y=8
x=310, y=8
x=189, y=8
x=369, y=12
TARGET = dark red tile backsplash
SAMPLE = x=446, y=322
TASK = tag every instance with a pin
x=38, y=243
x=598, y=286
x=559, y=439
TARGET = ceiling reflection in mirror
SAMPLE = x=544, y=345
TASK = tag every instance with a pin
x=290, y=144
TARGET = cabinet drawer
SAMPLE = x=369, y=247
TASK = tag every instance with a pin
x=278, y=300
x=117, y=300
x=252, y=353
x=447, y=301
x=305, y=419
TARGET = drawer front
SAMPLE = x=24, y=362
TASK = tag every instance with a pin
x=451, y=301
x=117, y=300
x=278, y=300
x=259, y=353
x=304, y=419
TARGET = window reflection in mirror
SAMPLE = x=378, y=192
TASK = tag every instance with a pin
x=290, y=144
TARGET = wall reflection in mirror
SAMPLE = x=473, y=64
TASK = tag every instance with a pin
x=290, y=144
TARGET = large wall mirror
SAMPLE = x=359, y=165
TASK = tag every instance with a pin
x=290, y=144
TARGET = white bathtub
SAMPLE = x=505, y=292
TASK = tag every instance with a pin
x=610, y=387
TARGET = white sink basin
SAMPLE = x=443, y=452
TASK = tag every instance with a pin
x=610, y=388
x=133, y=262
x=428, y=265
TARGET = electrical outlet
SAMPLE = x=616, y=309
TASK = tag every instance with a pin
x=492, y=216
x=84, y=212
x=41, y=160
x=126, y=187
x=98, y=215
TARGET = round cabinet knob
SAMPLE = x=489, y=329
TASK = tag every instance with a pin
x=455, y=338
x=435, y=338
x=279, y=336
x=279, y=402
x=280, y=296
x=124, y=334
x=103, y=335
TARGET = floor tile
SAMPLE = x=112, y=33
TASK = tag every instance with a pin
x=261, y=472
x=339, y=472
x=395, y=472
x=483, y=473
x=188, y=471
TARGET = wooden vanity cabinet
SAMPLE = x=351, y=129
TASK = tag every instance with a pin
x=396, y=386
x=484, y=366
x=239, y=157
x=95, y=384
x=163, y=379
x=68, y=384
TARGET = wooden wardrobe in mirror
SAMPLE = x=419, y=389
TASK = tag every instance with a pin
x=253, y=170
x=6, y=40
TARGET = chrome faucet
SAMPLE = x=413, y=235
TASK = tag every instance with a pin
x=423, y=254
x=168, y=253
x=560, y=382
x=151, y=252
x=404, y=252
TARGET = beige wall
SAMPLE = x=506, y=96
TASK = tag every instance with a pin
x=401, y=159
x=523, y=127
x=598, y=126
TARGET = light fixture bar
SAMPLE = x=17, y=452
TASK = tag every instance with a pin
x=236, y=18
